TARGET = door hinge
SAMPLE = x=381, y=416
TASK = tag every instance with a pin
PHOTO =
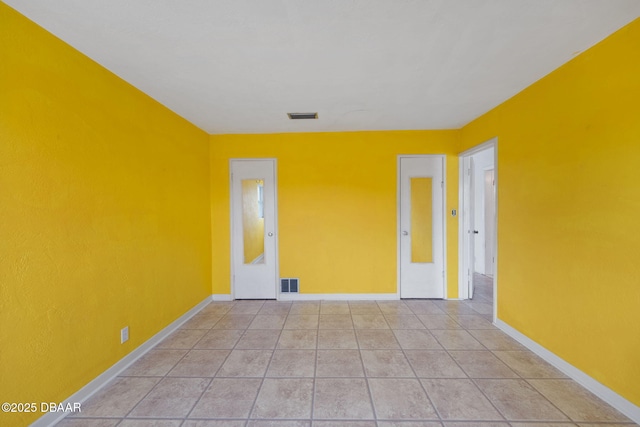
x=469, y=171
x=443, y=274
x=441, y=184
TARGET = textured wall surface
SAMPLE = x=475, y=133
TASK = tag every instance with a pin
x=337, y=210
x=569, y=209
x=104, y=217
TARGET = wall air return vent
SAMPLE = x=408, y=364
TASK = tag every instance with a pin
x=289, y=285
x=302, y=116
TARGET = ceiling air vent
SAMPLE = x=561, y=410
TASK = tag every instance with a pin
x=301, y=116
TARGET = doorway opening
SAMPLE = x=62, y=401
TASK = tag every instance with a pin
x=477, y=225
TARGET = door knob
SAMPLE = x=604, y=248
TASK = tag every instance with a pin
x=405, y=233
x=270, y=234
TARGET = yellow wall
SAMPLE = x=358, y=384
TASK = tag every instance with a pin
x=568, y=210
x=336, y=205
x=252, y=224
x=104, y=217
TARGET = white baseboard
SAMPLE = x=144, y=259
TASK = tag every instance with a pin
x=221, y=297
x=51, y=418
x=336, y=297
x=603, y=392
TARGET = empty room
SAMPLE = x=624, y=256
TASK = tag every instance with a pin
x=320, y=214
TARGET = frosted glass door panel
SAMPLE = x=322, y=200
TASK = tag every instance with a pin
x=421, y=220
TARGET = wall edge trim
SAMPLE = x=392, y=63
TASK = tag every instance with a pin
x=338, y=297
x=623, y=405
x=99, y=382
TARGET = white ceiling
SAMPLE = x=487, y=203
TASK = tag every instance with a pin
x=238, y=66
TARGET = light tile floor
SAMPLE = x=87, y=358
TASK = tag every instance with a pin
x=344, y=364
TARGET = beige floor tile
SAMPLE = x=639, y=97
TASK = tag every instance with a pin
x=292, y=363
x=300, y=339
x=472, y=321
x=155, y=363
x=117, y=398
x=369, y=321
x=199, y=363
x=396, y=399
x=482, y=364
x=476, y=424
x=424, y=307
x=342, y=398
x=606, y=425
x=343, y=423
x=201, y=321
x=364, y=307
x=339, y=363
x=394, y=308
x=150, y=423
x=330, y=307
x=335, y=321
x=456, y=339
x=279, y=423
x=219, y=339
x=496, y=339
x=172, y=397
x=234, y=321
x=415, y=339
x=246, y=363
x=284, y=398
x=246, y=307
x=404, y=321
x=337, y=339
x=258, y=339
x=509, y=395
x=481, y=307
x=275, y=307
x=434, y=364
x=528, y=365
x=376, y=339
x=454, y=307
x=386, y=363
x=213, y=423
x=268, y=321
x=304, y=308
x=227, y=398
x=85, y=422
x=555, y=425
x=182, y=339
x=459, y=399
x=409, y=424
x=438, y=321
x=302, y=321
x=217, y=308
x=577, y=402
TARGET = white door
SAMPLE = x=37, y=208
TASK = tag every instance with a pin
x=253, y=225
x=421, y=226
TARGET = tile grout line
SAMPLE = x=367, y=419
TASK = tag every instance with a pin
x=435, y=409
x=465, y=372
x=364, y=370
x=255, y=399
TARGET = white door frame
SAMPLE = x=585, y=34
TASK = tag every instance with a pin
x=275, y=220
x=464, y=264
x=444, y=217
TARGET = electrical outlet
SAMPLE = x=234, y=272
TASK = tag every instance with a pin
x=124, y=335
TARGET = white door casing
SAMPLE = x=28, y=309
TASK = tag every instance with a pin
x=472, y=223
x=254, y=277
x=423, y=277
x=489, y=219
